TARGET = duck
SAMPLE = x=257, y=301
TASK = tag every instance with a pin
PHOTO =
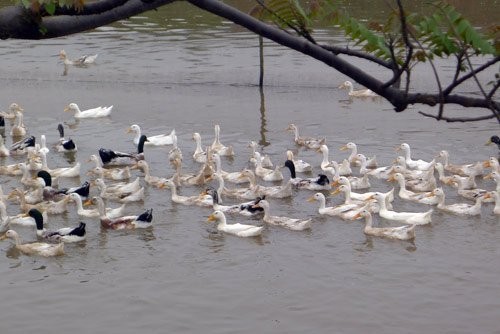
x=23, y=146
x=444, y=179
x=116, y=158
x=61, y=172
x=94, y=213
x=185, y=200
x=300, y=165
x=119, y=188
x=43, y=145
x=463, y=170
x=492, y=163
x=357, y=93
x=267, y=174
x=110, y=212
x=463, y=191
x=218, y=147
x=4, y=218
x=250, y=192
x=382, y=172
x=12, y=169
x=65, y=145
x=65, y=234
x=203, y=176
x=115, y=173
x=363, y=196
x=237, y=229
x=414, y=164
x=245, y=209
x=156, y=140
x=282, y=191
x=330, y=210
x=370, y=162
x=123, y=196
x=494, y=140
x=462, y=182
x=35, y=248
x=89, y=113
x=308, y=142
x=405, y=232
x=4, y=151
x=462, y=209
x=131, y=222
x=344, y=167
x=417, y=218
x=419, y=197
x=81, y=61
x=495, y=176
x=495, y=195
x=265, y=159
x=321, y=182
x=155, y=181
x=18, y=129
x=233, y=177
x=294, y=224
x=26, y=178
x=356, y=182
x=11, y=114
x=175, y=152
x=199, y=154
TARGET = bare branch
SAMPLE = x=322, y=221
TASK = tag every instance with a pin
x=355, y=53
x=458, y=119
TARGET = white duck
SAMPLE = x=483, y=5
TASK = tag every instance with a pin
x=419, y=197
x=266, y=160
x=81, y=61
x=73, y=171
x=463, y=209
x=496, y=177
x=93, y=213
x=406, y=232
x=492, y=163
x=155, y=181
x=414, y=164
x=442, y=177
x=203, y=176
x=344, y=166
x=186, y=200
x=356, y=182
x=155, y=140
x=4, y=151
x=18, y=129
x=250, y=192
x=116, y=174
x=281, y=191
x=294, y=224
x=379, y=172
x=109, y=212
x=218, y=147
x=357, y=93
x=353, y=160
x=233, y=177
x=240, y=230
x=266, y=174
x=199, y=154
x=463, y=170
x=89, y=113
x=11, y=114
x=300, y=165
x=363, y=196
x=330, y=210
x=35, y=248
x=417, y=218
x=495, y=195
x=462, y=182
x=308, y=142
x=124, y=196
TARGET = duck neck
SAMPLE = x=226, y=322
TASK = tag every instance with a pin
x=291, y=167
x=325, y=152
x=198, y=149
x=368, y=221
x=322, y=202
x=100, y=207
x=140, y=145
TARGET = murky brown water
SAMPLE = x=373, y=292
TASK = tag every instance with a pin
x=183, y=277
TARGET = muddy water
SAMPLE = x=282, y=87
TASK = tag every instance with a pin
x=182, y=276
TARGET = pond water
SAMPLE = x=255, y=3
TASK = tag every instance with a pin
x=182, y=276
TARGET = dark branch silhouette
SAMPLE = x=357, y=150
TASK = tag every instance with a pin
x=20, y=23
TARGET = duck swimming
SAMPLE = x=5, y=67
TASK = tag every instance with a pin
x=35, y=248
x=155, y=140
x=89, y=113
x=65, y=145
x=81, y=61
x=240, y=230
x=65, y=234
x=357, y=93
x=116, y=158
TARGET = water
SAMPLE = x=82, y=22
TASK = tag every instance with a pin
x=182, y=276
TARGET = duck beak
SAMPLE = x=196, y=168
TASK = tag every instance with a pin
x=489, y=142
x=3, y=237
x=343, y=148
x=311, y=199
x=335, y=192
x=66, y=109
x=87, y=202
x=488, y=176
x=357, y=215
x=391, y=178
x=211, y=218
x=486, y=164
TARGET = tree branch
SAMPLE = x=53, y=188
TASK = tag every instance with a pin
x=458, y=119
x=18, y=22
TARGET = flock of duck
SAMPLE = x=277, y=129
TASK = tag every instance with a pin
x=38, y=195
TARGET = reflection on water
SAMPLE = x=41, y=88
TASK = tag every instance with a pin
x=263, y=122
